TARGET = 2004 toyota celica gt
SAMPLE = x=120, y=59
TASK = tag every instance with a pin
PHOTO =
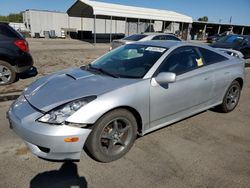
x=132, y=90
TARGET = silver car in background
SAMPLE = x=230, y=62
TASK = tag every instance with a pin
x=143, y=37
x=130, y=91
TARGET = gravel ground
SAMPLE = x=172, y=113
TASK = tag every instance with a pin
x=207, y=150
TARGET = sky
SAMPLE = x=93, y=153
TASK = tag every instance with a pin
x=220, y=10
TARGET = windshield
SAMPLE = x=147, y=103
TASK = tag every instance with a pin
x=129, y=61
x=135, y=37
x=231, y=39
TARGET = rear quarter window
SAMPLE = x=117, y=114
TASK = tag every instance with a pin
x=135, y=37
x=211, y=57
x=7, y=32
x=173, y=38
x=165, y=37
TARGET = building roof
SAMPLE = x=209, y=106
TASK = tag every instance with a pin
x=87, y=8
x=217, y=23
x=52, y=11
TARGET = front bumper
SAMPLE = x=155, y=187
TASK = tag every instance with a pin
x=28, y=72
x=23, y=62
x=45, y=141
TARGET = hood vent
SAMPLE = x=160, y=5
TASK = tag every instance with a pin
x=78, y=74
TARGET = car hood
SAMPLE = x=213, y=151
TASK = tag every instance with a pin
x=54, y=90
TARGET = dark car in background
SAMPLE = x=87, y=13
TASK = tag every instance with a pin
x=236, y=42
x=213, y=38
x=15, y=59
x=216, y=37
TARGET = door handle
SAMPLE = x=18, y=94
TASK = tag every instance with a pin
x=226, y=73
x=206, y=78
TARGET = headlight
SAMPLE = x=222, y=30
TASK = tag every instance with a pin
x=61, y=113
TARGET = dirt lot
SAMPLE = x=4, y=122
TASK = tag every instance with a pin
x=208, y=150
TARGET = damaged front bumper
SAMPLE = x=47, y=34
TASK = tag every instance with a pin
x=44, y=140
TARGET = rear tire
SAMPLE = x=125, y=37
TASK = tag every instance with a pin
x=231, y=98
x=7, y=73
x=112, y=136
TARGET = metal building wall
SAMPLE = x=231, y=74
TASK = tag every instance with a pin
x=39, y=21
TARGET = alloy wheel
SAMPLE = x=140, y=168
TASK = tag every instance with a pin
x=5, y=74
x=232, y=96
x=115, y=136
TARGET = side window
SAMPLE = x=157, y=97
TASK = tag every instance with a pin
x=181, y=60
x=211, y=57
x=5, y=32
x=158, y=37
x=172, y=38
x=165, y=37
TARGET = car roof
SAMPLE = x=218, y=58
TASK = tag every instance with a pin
x=246, y=37
x=172, y=43
x=151, y=34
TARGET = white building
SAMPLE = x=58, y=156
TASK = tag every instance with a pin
x=38, y=21
x=18, y=26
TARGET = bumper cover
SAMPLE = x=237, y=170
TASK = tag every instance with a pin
x=23, y=62
x=45, y=141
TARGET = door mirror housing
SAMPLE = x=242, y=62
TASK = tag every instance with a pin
x=165, y=77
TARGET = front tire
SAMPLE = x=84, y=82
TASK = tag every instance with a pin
x=7, y=73
x=231, y=98
x=112, y=136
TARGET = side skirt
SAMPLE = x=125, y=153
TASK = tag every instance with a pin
x=178, y=119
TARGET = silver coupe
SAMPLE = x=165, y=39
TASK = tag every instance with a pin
x=132, y=90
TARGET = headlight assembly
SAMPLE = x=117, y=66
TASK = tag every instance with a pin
x=60, y=114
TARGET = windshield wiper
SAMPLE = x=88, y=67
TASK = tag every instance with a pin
x=101, y=71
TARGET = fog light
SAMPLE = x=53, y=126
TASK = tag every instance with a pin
x=73, y=139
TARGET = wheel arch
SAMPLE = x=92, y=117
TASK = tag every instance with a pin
x=134, y=112
x=6, y=59
x=240, y=80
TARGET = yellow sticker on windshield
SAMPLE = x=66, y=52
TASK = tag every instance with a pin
x=199, y=62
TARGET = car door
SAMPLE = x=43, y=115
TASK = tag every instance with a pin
x=217, y=65
x=191, y=91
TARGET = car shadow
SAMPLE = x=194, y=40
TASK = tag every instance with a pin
x=66, y=177
x=172, y=124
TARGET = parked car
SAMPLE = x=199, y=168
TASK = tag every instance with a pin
x=236, y=42
x=15, y=58
x=215, y=37
x=130, y=91
x=143, y=37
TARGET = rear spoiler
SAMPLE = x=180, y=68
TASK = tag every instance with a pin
x=232, y=52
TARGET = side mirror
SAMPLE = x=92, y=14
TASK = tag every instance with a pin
x=165, y=78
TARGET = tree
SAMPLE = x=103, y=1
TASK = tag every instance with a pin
x=203, y=19
x=12, y=17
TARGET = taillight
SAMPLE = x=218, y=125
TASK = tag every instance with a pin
x=22, y=45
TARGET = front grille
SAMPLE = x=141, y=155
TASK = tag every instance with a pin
x=43, y=149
